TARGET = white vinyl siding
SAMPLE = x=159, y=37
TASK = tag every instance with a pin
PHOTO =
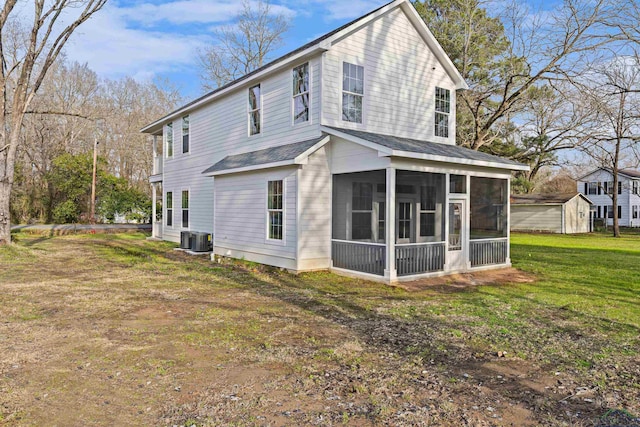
x=220, y=128
x=536, y=218
x=401, y=76
x=241, y=217
x=315, y=210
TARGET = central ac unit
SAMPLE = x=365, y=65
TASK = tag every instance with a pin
x=202, y=242
x=186, y=239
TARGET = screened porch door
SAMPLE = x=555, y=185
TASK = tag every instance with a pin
x=457, y=237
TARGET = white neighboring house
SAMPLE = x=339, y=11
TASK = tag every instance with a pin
x=301, y=163
x=551, y=213
x=597, y=185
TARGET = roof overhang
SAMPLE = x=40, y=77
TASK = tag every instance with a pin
x=388, y=152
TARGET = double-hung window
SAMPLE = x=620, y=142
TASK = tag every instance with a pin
x=254, y=110
x=592, y=188
x=635, y=212
x=169, y=204
x=185, y=134
x=275, y=210
x=185, y=209
x=635, y=187
x=443, y=109
x=352, y=92
x=427, y=211
x=301, y=93
x=169, y=140
x=361, y=210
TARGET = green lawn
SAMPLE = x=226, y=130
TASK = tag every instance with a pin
x=127, y=331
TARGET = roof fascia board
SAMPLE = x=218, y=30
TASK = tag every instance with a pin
x=381, y=149
x=252, y=168
x=457, y=160
x=320, y=47
x=433, y=43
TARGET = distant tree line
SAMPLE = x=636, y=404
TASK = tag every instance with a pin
x=72, y=110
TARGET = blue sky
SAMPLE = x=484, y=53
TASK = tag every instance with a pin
x=158, y=39
x=149, y=39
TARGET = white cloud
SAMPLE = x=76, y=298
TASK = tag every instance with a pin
x=112, y=49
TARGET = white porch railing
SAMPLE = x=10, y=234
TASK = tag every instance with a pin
x=418, y=258
x=359, y=256
x=488, y=251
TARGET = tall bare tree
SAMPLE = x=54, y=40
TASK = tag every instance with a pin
x=504, y=54
x=243, y=47
x=22, y=72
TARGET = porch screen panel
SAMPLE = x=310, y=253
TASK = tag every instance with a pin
x=422, y=220
x=488, y=203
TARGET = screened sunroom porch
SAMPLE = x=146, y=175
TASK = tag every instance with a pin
x=441, y=222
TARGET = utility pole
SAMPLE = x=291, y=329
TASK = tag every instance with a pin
x=93, y=181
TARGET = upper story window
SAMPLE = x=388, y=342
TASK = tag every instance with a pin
x=443, y=109
x=352, y=92
x=592, y=188
x=301, y=93
x=635, y=187
x=169, y=140
x=254, y=110
x=185, y=134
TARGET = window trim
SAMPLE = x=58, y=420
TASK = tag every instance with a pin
x=436, y=112
x=258, y=110
x=168, y=209
x=169, y=140
x=188, y=134
x=268, y=239
x=294, y=95
x=182, y=209
x=347, y=92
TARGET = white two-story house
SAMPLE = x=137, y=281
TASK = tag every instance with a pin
x=339, y=155
x=597, y=185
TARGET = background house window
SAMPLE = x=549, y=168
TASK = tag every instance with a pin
x=185, y=209
x=185, y=134
x=443, y=107
x=254, y=110
x=592, y=188
x=352, y=92
x=275, y=209
x=169, y=204
x=361, y=210
x=619, y=212
x=635, y=187
x=301, y=93
x=635, y=212
x=170, y=140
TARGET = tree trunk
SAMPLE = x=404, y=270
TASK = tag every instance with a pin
x=5, y=217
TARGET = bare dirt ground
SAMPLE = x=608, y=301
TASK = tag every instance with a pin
x=107, y=330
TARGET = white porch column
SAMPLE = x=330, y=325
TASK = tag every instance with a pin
x=390, y=272
x=153, y=210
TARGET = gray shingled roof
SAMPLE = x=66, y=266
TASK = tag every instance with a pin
x=549, y=199
x=262, y=157
x=426, y=147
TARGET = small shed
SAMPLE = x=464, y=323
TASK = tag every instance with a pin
x=554, y=213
